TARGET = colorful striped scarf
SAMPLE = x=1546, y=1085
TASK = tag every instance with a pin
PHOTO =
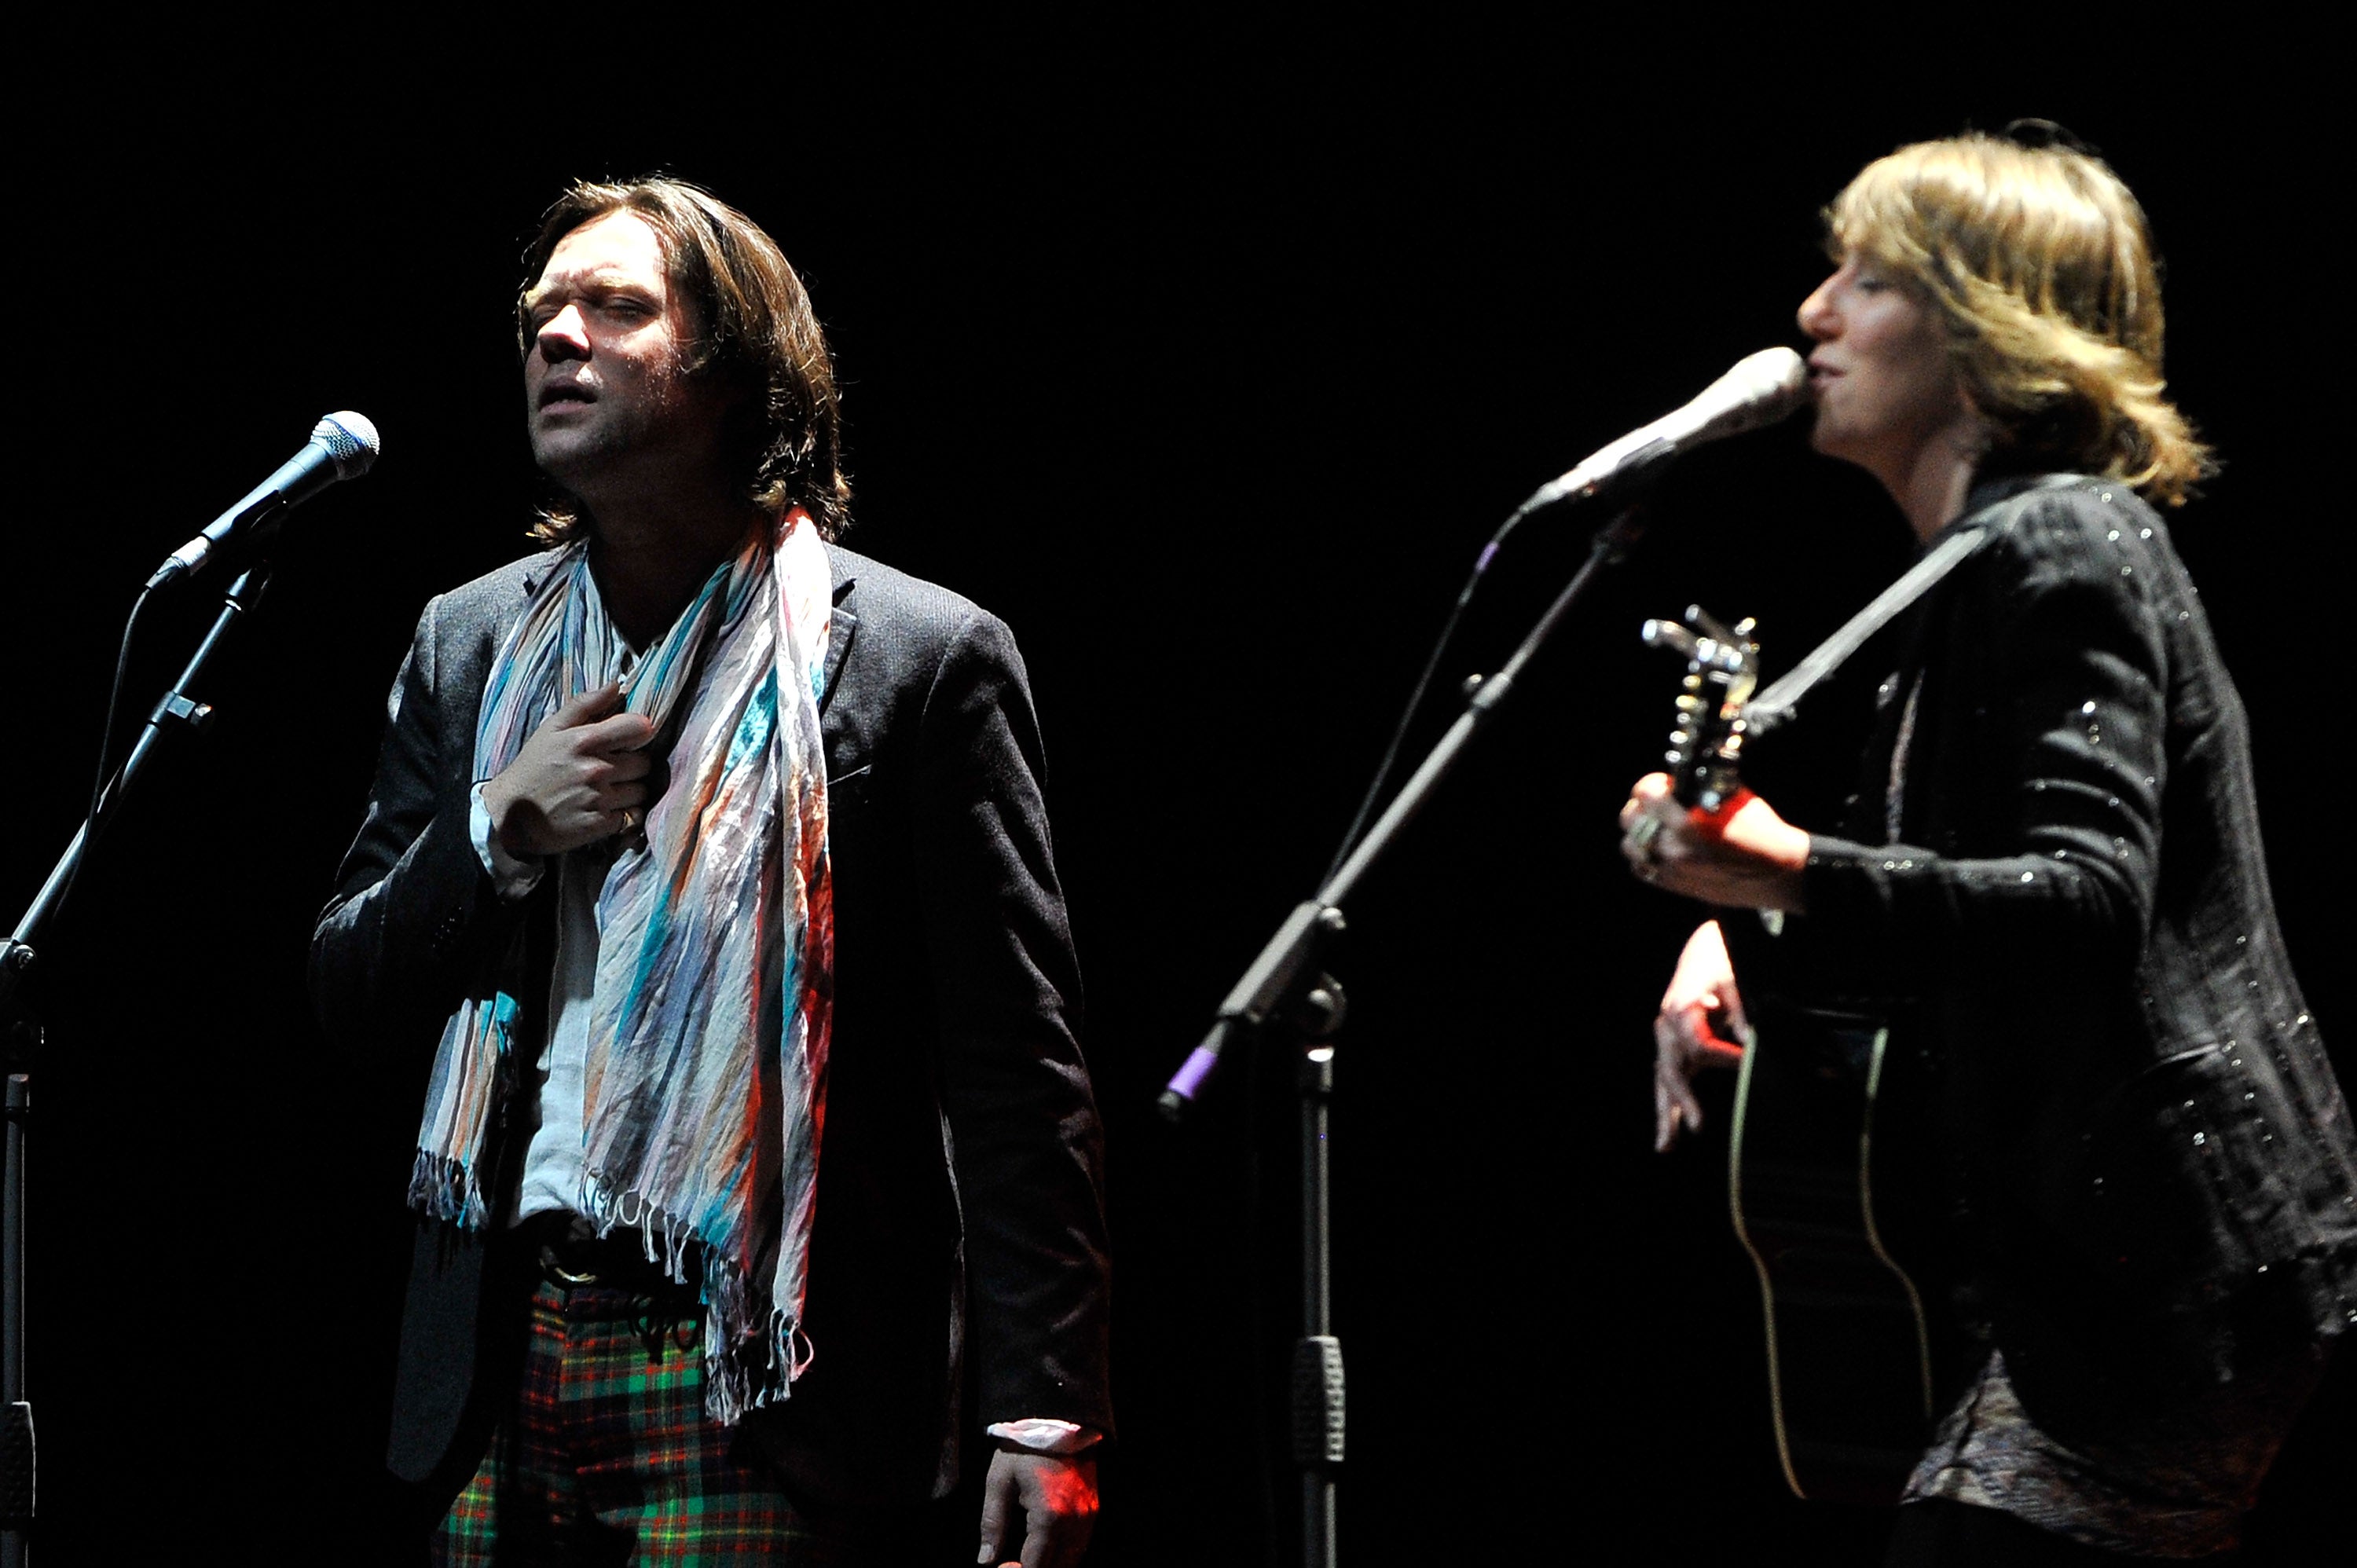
x=705, y=1088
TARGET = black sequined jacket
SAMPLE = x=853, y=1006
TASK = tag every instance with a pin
x=2051, y=879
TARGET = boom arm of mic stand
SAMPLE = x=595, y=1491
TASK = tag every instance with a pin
x=17, y=952
x=1276, y=974
x=1265, y=987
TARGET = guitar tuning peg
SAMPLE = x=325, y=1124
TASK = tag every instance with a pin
x=1667, y=634
x=1702, y=620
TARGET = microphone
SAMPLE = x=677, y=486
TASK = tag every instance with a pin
x=343, y=446
x=1761, y=389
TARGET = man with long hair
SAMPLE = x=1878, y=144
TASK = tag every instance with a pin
x=707, y=879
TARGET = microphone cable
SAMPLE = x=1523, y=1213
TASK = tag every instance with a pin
x=105, y=753
x=1416, y=696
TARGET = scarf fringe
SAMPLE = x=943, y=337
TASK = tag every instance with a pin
x=743, y=1370
x=444, y=1189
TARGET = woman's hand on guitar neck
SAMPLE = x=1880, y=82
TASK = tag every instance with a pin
x=1685, y=1031
x=1746, y=857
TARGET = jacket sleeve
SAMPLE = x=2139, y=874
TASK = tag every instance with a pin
x=1023, y=1119
x=2059, y=729
x=414, y=923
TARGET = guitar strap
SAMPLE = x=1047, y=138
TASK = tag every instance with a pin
x=1774, y=706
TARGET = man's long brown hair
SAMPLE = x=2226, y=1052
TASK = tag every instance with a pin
x=753, y=324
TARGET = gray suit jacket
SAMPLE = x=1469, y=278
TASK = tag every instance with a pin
x=958, y=1270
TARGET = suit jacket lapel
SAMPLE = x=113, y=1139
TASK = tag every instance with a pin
x=842, y=624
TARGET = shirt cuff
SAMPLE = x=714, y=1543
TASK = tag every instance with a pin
x=1041, y=1435
x=514, y=878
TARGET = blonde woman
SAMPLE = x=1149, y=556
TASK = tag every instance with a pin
x=2051, y=882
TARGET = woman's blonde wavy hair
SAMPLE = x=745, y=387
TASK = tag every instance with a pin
x=2040, y=263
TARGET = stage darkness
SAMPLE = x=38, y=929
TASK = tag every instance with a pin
x=1208, y=366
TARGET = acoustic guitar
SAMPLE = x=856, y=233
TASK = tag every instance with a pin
x=1821, y=1179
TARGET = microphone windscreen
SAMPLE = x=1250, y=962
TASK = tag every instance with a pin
x=350, y=440
x=1766, y=386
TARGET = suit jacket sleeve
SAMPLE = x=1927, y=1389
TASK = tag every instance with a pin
x=1022, y=1119
x=414, y=924
x=2054, y=746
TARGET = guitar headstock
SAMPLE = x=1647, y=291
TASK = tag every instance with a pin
x=1705, y=752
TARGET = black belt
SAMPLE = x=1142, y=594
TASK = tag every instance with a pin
x=574, y=1257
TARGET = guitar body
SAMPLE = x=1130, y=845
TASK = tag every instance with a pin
x=1826, y=1169
x=1815, y=1161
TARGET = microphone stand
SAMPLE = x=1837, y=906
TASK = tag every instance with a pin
x=21, y=1031
x=1285, y=983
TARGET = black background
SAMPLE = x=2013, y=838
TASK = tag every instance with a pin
x=1207, y=357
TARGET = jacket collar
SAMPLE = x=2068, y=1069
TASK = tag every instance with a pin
x=1992, y=491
